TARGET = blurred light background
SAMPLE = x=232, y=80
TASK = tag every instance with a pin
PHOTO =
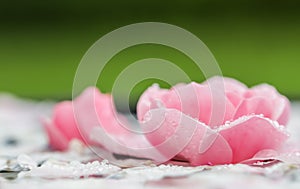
x=42, y=42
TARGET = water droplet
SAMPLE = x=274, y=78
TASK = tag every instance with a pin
x=26, y=162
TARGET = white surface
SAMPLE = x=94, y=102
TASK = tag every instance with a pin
x=20, y=119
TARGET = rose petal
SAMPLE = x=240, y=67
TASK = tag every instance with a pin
x=280, y=104
x=57, y=140
x=148, y=97
x=251, y=134
x=276, y=109
x=93, y=108
x=264, y=99
x=132, y=145
x=63, y=118
x=282, y=114
x=270, y=156
x=193, y=99
x=265, y=90
x=254, y=105
x=234, y=89
x=137, y=145
x=190, y=136
x=230, y=84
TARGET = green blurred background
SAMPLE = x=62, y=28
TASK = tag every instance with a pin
x=42, y=42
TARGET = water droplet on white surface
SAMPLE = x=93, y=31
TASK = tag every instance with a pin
x=26, y=162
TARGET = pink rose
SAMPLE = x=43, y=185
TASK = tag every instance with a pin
x=62, y=128
x=219, y=121
x=67, y=122
x=241, y=123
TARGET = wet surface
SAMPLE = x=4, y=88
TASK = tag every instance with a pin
x=79, y=168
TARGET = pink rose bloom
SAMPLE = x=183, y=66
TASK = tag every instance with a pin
x=230, y=122
x=217, y=122
x=76, y=119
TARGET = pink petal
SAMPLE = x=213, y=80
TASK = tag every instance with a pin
x=63, y=119
x=185, y=99
x=280, y=104
x=264, y=99
x=251, y=134
x=57, y=140
x=282, y=113
x=234, y=98
x=133, y=144
x=215, y=108
x=93, y=108
x=270, y=156
x=265, y=90
x=230, y=84
x=233, y=89
x=191, y=140
x=77, y=119
x=213, y=149
x=137, y=145
x=194, y=100
x=145, y=102
x=254, y=105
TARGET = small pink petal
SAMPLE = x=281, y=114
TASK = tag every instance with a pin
x=282, y=113
x=145, y=102
x=254, y=105
x=230, y=84
x=270, y=156
x=57, y=140
x=64, y=120
x=265, y=90
x=93, y=108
